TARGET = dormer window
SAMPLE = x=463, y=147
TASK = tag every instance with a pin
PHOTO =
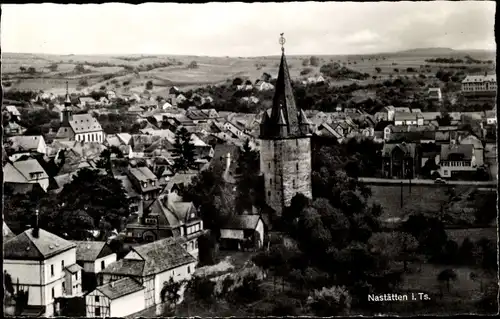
x=153, y=183
x=144, y=185
x=150, y=221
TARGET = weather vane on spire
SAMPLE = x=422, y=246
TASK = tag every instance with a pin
x=282, y=42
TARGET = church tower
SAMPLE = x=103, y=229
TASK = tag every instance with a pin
x=285, y=152
x=67, y=112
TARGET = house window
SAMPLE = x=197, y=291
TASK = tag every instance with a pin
x=297, y=166
x=189, y=269
x=76, y=275
x=271, y=181
x=102, y=264
x=268, y=193
x=96, y=298
x=53, y=292
x=97, y=311
x=52, y=270
x=64, y=287
x=294, y=184
x=62, y=264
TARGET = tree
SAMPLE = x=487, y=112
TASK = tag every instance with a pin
x=378, y=69
x=447, y=275
x=444, y=119
x=149, y=85
x=193, y=65
x=207, y=250
x=22, y=69
x=102, y=197
x=171, y=292
x=328, y=302
x=31, y=70
x=7, y=279
x=79, y=68
x=396, y=70
x=184, y=151
x=250, y=289
x=53, y=67
x=314, y=61
x=83, y=82
x=237, y=81
x=247, y=177
x=394, y=246
x=202, y=288
x=305, y=62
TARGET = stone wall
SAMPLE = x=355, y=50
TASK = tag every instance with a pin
x=286, y=166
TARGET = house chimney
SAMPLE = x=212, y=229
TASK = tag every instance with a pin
x=36, y=230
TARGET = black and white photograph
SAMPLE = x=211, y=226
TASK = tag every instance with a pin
x=230, y=159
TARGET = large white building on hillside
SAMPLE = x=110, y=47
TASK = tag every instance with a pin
x=479, y=83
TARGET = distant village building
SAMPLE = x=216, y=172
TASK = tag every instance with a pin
x=480, y=84
x=45, y=266
x=285, y=154
x=243, y=231
x=405, y=118
x=455, y=159
x=434, y=94
x=400, y=160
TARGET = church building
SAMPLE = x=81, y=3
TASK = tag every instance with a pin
x=78, y=127
x=285, y=152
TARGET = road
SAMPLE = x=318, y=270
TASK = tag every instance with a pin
x=370, y=180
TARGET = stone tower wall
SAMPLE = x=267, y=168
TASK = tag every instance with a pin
x=286, y=166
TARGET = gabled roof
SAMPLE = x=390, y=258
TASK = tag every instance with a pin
x=25, y=168
x=126, y=267
x=128, y=186
x=26, y=143
x=26, y=247
x=174, y=213
x=181, y=178
x=84, y=123
x=120, y=288
x=91, y=250
x=7, y=233
x=242, y=222
x=73, y=268
x=480, y=78
x=162, y=255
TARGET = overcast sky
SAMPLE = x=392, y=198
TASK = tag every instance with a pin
x=239, y=29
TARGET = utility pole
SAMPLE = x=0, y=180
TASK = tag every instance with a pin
x=401, y=194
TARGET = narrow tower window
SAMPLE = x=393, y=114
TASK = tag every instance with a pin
x=294, y=184
x=271, y=181
x=297, y=166
x=269, y=165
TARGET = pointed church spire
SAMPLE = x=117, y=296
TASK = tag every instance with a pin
x=284, y=108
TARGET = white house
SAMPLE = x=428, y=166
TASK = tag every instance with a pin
x=94, y=256
x=491, y=117
x=264, y=86
x=456, y=158
x=119, y=298
x=44, y=265
x=241, y=228
x=80, y=127
x=405, y=118
x=152, y=265
x=435, y=94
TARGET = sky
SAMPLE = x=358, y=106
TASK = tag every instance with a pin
x=253, y=29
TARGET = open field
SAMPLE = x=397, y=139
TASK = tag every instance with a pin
x=211, y=70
